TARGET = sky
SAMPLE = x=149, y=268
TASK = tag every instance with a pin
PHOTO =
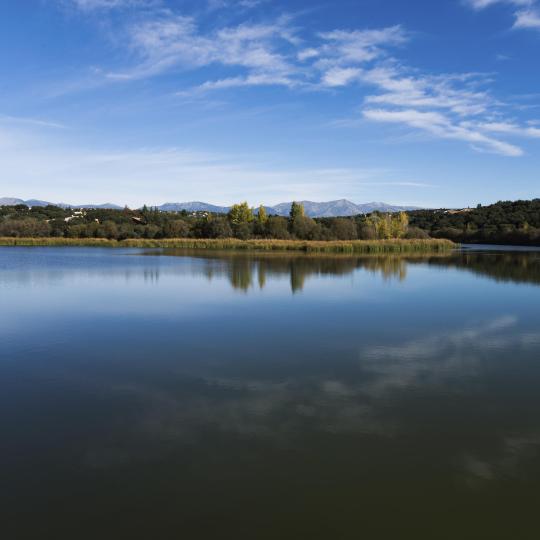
x=426, y=103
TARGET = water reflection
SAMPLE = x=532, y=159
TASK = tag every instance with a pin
x=250, y=271
x=515, y=267
x=139, y=394
x=369, y=392
x=246, y=271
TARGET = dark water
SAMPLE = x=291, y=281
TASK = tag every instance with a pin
x=208, y=396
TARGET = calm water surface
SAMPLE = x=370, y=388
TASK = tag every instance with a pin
x=160, y=395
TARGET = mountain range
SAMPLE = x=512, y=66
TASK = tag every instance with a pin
x=341, y=207
x=12, y=201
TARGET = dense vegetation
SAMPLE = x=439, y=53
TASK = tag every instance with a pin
x=241, y=223
x=308, y=246
x=502, y=223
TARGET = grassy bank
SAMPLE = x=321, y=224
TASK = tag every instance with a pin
x=357, y=246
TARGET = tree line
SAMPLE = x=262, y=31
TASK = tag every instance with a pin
x=506, y=222
x=515, y=222
x=242, y=222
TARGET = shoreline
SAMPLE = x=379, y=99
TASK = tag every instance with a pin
x=305, y=246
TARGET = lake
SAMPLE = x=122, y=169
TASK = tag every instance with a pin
x=198, y=395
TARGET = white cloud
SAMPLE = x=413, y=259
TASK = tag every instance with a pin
x=438, y=92
x=275, y=53
x=527, y=16
x=306, y=54
x=510, y=129
x=528, y=19
x=343, y=49
x=408, y=363
x=4, y=118
x=170, y=42
x=438, y=104
x=447, y=106
x=91, y=5
x=237, y=82
x=338, y=76
x=482, y=4
x=441, y=126
x=224, y=4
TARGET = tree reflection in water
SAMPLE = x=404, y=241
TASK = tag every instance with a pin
x=246, y=271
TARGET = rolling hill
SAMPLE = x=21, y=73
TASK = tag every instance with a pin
x=341, y=207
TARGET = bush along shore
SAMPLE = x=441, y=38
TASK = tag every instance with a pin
x=355, y=246
x=240, y=229
x=242, y=223
x=502, y=223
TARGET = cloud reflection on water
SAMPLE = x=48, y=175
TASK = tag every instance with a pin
x=281, y=410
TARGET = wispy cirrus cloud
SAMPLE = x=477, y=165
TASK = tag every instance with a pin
x=272, y=52
x=527, y=12
x=529, y=18
x=94, y=5
x=448, y=106
x=224, y=4
x=343, y=47
x=509, y=128
x=175, y=42
x=442, y=126
x=456, y=92
x=277, y=52
x=482, y=4
x=38, y=122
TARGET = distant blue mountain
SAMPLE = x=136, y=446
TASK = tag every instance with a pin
x=12, y=201
x=106, y=206
x=337, y=208
x=341, y=207
x=194, y=206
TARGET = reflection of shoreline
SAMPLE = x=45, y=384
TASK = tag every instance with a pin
x=509, y=266
x=244, y=270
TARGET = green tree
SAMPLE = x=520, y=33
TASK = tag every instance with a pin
x=400, y=224
x=305, y=228
x=218, y=227
x=297, y=212
x=385, y=227
x=243, y=231
x=262, y=217
x=276, y=227
x=27, y=227
x=177, y=228
x=109, y=230
x=343, y=229
x=297, y=216
x=240, y=213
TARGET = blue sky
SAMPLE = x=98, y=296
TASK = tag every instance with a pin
x=432, y=103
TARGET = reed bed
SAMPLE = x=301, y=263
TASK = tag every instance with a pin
x=52, y=242
x=356, y=246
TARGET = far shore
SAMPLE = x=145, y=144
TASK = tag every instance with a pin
x=355, y=246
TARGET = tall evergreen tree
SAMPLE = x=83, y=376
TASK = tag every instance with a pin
x=297, y=211
x=262, y=217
